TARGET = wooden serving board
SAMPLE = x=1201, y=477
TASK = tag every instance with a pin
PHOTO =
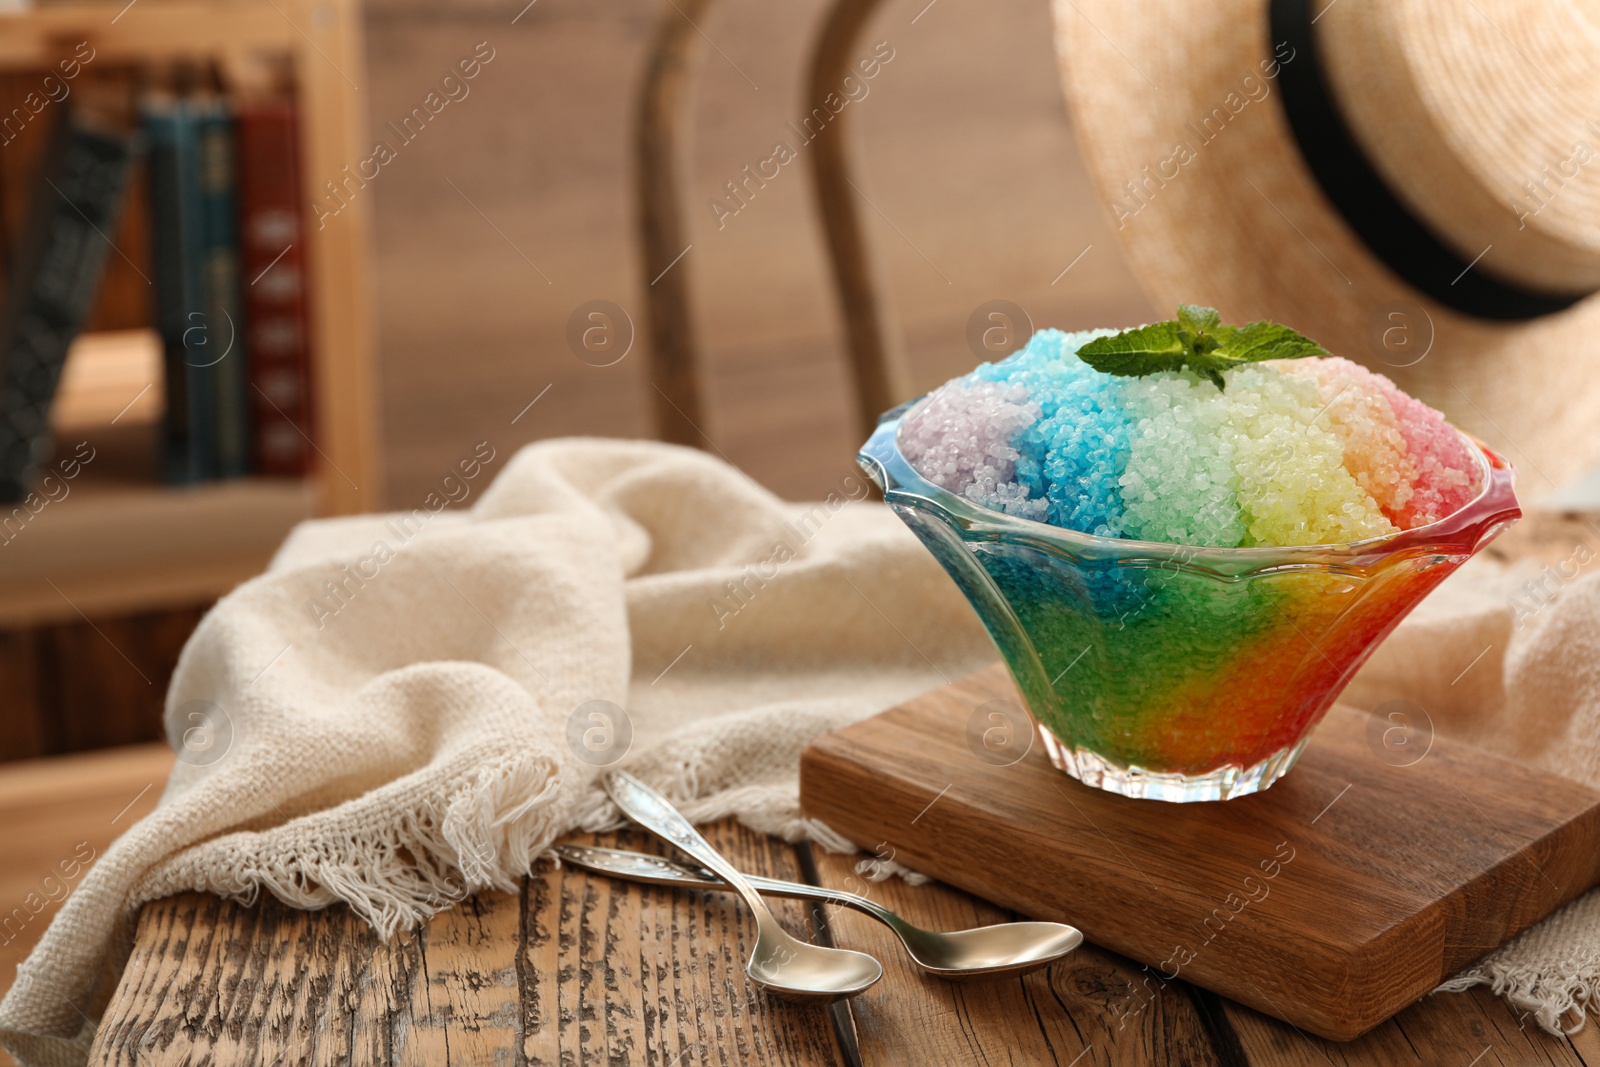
x=1334, y=899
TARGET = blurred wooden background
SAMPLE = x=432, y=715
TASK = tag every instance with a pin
x=514, y=206
x=976, y=189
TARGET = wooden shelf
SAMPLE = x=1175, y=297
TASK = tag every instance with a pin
x=121, y=546
x=108, y=550
x=323, y=39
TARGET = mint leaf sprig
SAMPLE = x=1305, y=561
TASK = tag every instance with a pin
x=1198, y=340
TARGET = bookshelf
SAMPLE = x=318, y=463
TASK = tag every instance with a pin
x=121, y=546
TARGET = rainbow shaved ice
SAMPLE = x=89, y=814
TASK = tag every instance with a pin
x=1170, y=669
x=1308, y=451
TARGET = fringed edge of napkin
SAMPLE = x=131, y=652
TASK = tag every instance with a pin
x=393, y=869
x=1558, y=1002
x=1550, y=971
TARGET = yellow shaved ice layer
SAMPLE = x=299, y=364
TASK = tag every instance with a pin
x=1374, y=448
x=1292, y=484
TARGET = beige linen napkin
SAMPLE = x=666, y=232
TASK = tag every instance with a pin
x=408, y=708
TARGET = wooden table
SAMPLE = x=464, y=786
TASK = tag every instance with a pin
x=578, y=969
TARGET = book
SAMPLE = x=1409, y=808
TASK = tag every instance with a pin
x=272, y=256
x=53, y=280
x=171, y=127
x=224, y=343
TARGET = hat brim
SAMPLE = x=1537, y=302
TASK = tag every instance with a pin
x=1183, y=130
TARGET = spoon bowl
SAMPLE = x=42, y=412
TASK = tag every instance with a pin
x=781, y=964
x=790, y=968
x=1002, y=950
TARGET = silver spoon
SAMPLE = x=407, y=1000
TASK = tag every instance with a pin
x=1002, y=950
x=779, y=963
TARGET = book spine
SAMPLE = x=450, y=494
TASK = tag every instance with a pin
x=78, y=198
x=225, y=353
x=180, y=309
x=272, y=254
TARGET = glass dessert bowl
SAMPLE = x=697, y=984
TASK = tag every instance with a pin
x=1177, y=672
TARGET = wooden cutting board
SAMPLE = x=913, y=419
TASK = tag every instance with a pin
x=1346, y=891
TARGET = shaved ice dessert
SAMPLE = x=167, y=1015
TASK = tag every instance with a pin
x=1313, y=450
x=1186, y=537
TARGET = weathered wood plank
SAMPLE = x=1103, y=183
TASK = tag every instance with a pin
x=1094, y=1007
x=1586, y=1043
x=1475, y=1027
x=574, y=969
x=452, y=988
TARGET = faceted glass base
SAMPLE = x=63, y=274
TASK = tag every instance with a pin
x=1224, y=783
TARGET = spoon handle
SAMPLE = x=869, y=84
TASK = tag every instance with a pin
x=655, y=870
x=656, y=814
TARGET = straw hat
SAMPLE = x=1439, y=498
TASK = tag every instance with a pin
x=1414, y=183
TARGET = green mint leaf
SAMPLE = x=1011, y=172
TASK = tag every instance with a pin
x=1196, y=340
x=1197, y=319
x=1267, y=340
x=1143, y=350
